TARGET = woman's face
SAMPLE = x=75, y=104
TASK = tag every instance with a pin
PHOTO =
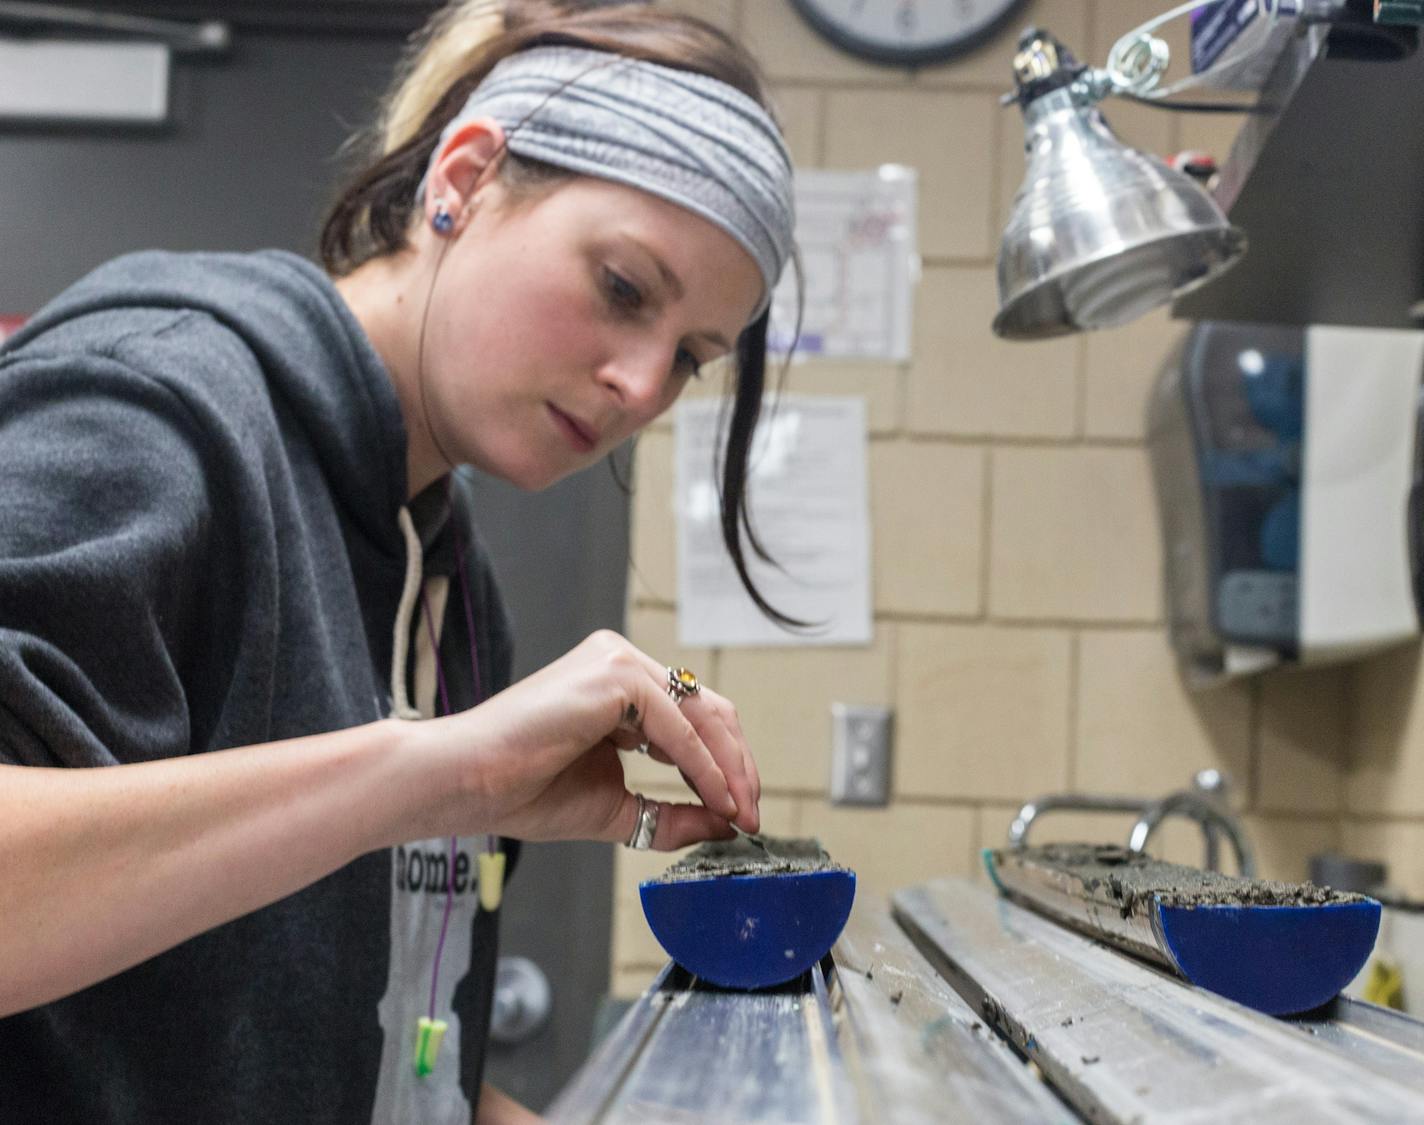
x=561, y=325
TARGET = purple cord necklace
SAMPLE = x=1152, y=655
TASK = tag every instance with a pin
x=491, y=842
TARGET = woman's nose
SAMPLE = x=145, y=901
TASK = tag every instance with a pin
x=638, y=378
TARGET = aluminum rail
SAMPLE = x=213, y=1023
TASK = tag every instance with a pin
x=930, y=1009
x=1124, y=1042
x=879, y=1039
x=1387, y=1042
x=691, y=1053
x=920, y=1053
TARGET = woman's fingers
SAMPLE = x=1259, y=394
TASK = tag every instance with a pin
x=678, y=741
x=667, y=728
x=715, y=720
x=739, y=772
x=697, y=732
x=744, y=782
x=715, y=723
x=733, y=723
x=755, y=808
x=626, y=739
x=678, y=824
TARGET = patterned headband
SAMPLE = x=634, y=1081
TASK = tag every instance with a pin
x=688, y=138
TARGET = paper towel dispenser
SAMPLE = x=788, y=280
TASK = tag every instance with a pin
x=1287, y=463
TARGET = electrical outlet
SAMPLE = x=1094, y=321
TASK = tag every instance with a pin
x=860, y=754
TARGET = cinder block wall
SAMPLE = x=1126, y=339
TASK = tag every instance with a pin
x=1019, y=628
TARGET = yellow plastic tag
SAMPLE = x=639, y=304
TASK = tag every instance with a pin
x=428, y=1037
x=1385, y=984
x=491, y=868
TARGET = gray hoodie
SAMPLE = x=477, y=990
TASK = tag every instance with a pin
x=202, y=470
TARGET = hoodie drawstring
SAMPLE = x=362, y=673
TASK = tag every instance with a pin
x=491, y=860
x=400, y=644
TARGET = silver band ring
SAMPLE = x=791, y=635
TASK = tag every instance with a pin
x=681, y=682
x=642, y=748
x=646, y=825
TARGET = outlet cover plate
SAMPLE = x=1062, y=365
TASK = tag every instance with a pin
x=860, y=754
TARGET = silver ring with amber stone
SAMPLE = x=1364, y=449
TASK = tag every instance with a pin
x=681, y=682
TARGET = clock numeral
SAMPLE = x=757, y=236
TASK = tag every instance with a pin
x=907, y=17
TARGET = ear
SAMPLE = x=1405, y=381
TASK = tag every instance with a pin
x=468, y=160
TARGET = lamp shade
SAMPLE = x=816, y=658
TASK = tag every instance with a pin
x=1100, y=233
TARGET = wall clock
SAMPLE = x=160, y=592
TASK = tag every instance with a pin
x=906, y=32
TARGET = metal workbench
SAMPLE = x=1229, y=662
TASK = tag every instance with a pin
x=949, y=1003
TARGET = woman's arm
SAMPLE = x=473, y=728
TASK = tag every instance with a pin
x=103, y=868
x=498, y=1108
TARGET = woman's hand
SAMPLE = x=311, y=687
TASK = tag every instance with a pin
x=211, y=837
x=541, y=760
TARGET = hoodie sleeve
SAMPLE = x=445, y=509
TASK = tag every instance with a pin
x=104, y=517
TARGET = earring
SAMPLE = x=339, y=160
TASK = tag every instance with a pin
x=442, y=220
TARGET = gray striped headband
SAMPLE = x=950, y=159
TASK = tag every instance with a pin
x=689, y=138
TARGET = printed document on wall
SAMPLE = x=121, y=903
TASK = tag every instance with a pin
x=856, y=235
x=807, y=481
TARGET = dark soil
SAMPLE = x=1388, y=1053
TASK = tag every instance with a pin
x=751, y=855
x=1131, y=880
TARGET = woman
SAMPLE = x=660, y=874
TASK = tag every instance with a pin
x=236, y=558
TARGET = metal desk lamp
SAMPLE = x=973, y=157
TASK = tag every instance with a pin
x=1100, y=233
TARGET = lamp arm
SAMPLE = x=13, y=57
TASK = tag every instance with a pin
x=1138, y=59
x=200, y=37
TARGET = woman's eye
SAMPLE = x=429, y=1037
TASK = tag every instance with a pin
x=622, y=292
x=686, y=364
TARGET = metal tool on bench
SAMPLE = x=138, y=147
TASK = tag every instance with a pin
x=1205, y=803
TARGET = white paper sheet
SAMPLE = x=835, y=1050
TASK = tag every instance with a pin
x=856, y=234
x=810, y=507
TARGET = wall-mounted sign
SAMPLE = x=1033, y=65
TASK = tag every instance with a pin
x=856, y=235
x=63, y=80
x=807, y=481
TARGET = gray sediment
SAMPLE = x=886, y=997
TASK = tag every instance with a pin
x=1130, y=880
x=751, y=855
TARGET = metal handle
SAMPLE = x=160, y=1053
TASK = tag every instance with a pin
x=1085, y=802
x=1204, y=803
x=1207, y=815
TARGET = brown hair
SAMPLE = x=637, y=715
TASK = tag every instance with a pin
x=372, y=216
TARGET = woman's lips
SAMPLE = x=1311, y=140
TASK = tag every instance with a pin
x=577, y=434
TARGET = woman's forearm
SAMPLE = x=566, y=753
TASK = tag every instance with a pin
x=103, y=868
x=498, y=1108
